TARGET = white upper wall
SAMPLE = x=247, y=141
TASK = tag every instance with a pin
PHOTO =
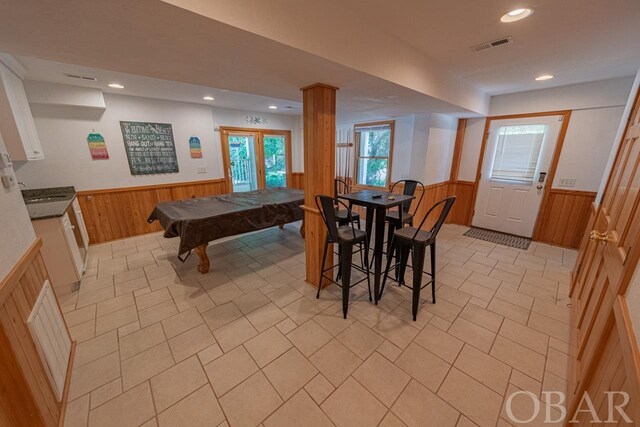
x=63, y=132
x=603, y=93
x=622, y=127
x=587, y=144
x=442, y=138
x=471, y=149
x=17, y=232
x=419, y=145
x=403, y=143
x=597, y=109
x=422, y=147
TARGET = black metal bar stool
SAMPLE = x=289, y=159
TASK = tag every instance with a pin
x=415, y=241
x=341, y=187
x=346, y=237
x=393, y=217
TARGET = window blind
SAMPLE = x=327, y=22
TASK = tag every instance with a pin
x=518, y=152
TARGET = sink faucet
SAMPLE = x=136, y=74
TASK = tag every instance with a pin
x=23, y=184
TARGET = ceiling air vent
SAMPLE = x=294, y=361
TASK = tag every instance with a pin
x=493, y=43
x=76, y=76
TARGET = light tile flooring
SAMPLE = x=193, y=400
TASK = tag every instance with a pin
x=249, y=344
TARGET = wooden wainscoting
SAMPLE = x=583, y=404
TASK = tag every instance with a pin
x=562, y=223
x=297, y=180
x=26, y=396
x=117, y=213
x=433, y=193
x=462, y=210
x=564, y=219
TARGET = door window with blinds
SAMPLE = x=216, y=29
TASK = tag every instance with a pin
x=517, y=154
x=374, y=145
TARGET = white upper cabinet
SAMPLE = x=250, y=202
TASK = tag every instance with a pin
x=16, y=122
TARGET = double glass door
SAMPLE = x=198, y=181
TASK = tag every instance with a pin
x=256, y=158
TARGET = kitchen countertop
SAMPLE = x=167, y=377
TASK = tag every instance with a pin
x=43, y=203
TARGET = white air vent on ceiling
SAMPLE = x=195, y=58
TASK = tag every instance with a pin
x=75, y=76
x=493, y=43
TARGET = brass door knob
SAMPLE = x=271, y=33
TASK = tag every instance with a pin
x=600, y=237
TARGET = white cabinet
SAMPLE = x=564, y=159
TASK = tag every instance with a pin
x=16, y=121
x=76, y=257
x=64, y=247
x=81, y=227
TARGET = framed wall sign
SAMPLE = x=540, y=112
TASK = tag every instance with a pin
x=150, y=147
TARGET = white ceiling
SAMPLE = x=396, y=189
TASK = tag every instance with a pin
x=575, y=40
x=148, y=87
x=388, y=59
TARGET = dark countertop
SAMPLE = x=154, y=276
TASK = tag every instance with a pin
x=43, y=203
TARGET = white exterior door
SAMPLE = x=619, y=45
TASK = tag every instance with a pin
x=514, y=171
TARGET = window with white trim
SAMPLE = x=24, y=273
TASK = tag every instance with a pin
x=374, y=144
x=517, y=153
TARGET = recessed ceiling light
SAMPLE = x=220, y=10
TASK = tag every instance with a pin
x=544, y=77
x=208, y=98
x=516, y=15
x=116, y=86
x=273, y=107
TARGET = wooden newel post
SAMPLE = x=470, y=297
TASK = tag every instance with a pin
x=319, y=117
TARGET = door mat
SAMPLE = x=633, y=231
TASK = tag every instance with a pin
x=499, y=238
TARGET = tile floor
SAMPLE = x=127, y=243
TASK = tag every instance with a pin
x=249, y=344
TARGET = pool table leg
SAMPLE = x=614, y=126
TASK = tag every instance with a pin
x=201, y=252
x=302, y=231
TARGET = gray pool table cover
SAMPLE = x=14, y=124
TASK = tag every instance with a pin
x=203, y=219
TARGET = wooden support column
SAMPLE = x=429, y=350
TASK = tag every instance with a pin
x=319, y=116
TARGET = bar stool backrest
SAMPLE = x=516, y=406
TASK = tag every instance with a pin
x=448, y=203
x=340, y=186
x=326, y=205
x=409, y=189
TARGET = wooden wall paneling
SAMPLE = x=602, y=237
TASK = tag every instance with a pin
x=297, y=180
x=21, y=367
x=462, y=210
x=433, y=193
x=118, y=213
x=29, y=360
x=26, y=394
x=17, y=406
x=564, y=219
